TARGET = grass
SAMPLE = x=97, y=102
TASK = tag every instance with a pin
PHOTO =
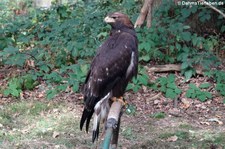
x=33, y=124
x=159, y=115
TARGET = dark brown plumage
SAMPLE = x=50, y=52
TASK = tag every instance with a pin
x=114, y=65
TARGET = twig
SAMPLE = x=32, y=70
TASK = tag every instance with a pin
x=154, y=97
x=212, y=7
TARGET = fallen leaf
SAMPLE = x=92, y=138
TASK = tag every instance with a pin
x=172, y=139
x=205, y=123
x=186, y=102
x=215, y=120
x=156, y=102
x=55, y=134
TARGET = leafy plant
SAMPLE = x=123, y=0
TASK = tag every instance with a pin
x=221, y=88
x=17, y=84
x=14, y=87
x=142, y=79
x=168, y=86
x=159, y=115
x=196, y=93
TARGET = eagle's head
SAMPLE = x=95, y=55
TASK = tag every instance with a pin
x=118, y=20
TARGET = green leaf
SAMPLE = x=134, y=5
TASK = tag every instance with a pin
x=51, y=93
x=185, y=12
x=189, y=93
x=145, y=58
x=205, y=85
x=159, y=115
x=170, y=93
x=208, y=95
x=188, y=74
x=202, y=97
x=11, y=50
x=186, y=36
x=171, y=78
x=75, y=87
x=184, y=65
x=178, y=91
x=143, y=79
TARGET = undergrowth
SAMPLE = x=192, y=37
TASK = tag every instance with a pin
x=57, y=45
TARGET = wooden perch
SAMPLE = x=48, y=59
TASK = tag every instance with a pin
x=171, y=67
x=112, y=130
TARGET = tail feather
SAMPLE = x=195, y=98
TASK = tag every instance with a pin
x=89, y=119
x=86, y=116
x=96, y=123
x=95, y=133
x=88, y=111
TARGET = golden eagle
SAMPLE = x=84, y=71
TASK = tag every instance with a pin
x=114, y=65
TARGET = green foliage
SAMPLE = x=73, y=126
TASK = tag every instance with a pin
x=196, y=93
x=14, y=87
x=168, y=86
x=221, y=88
x=17, y=84
x=159, y=115
x=128, y=133
x=219, y=77
x=171, y=39
x=60, y=41
x=142, y=79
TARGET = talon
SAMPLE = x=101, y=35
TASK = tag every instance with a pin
x=120, y=99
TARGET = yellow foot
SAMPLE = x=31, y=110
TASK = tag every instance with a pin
x=120, y=99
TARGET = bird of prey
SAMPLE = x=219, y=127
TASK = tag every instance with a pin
x=114, y=65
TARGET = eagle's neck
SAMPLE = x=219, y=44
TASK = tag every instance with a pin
x=127, y=30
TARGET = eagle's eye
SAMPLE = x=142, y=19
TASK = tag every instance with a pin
x=114, y=17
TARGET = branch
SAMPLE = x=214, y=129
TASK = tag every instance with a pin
x=171, y=67
x=143, y=14
x=149, y=16
x=212, y=7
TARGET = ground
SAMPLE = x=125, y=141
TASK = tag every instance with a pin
x=155, y=122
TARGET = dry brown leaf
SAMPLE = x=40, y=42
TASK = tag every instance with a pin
x=205, y=123
x=186, y=102
x=55, y=134
x=216, y=120
x=40, y=95
x=172, y=139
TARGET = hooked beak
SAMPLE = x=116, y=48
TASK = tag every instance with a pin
x=109, y=20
